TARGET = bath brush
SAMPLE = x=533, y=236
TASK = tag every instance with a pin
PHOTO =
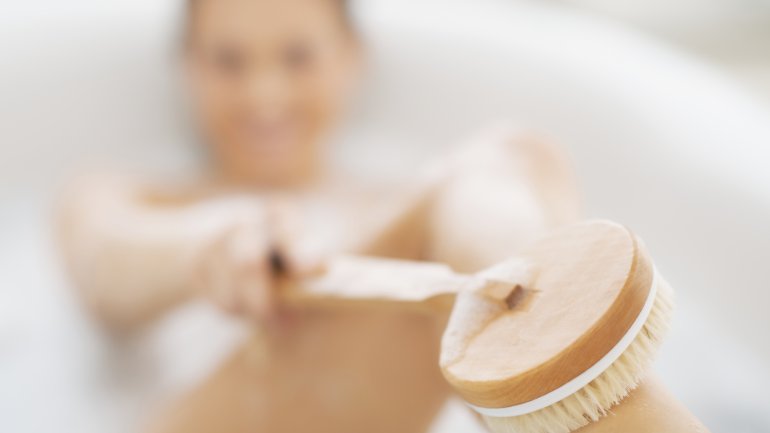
x=580, y=338
x=547, y=342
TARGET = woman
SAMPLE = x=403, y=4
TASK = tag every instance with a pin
x=270, y=80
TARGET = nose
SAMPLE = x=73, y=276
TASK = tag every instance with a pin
x=267, y=93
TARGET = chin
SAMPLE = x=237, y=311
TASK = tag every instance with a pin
x=275, y=172
x=269, y=162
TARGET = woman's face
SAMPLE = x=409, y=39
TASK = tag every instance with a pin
x=269, y=79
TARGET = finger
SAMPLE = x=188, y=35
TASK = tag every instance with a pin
x=220, y=284
x=249, y=255
x=247, y=246
x=277, y=262
x=303, y=265
x=257, y=294
x=246, y=255
x=281, y=228
x=212, y=277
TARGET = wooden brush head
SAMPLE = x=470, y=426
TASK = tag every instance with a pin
x=589, y=284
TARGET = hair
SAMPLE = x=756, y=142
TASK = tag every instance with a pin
x=189, y=9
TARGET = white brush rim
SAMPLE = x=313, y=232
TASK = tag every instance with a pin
x=587, y=376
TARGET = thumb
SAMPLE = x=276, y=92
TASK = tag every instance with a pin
x=304, y=265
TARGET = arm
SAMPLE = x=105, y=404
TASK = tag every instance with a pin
x=508, y=189
x=134, y=253
x=504, y=189
x=649, y=408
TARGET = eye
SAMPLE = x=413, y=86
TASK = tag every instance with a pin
x=298, y=57
x=228, y=60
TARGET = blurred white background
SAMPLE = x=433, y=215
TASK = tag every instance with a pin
x=663, y=106
x=733, y=34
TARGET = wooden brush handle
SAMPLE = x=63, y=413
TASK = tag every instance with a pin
x=376, y=281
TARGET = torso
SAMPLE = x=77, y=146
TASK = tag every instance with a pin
x=328, y=371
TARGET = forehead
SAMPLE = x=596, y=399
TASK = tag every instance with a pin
x=264, y=20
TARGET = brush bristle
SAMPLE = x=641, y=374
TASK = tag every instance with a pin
x=598, y=397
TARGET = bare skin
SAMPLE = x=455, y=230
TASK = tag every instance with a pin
x=384, y=361
x=342, y=371
x=269, y=80
x=378, y=360
x=650, y=408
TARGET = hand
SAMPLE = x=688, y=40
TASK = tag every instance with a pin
x=235, y=264
x=235, y=271
x=241, y=264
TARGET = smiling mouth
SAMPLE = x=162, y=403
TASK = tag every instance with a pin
x=274, y=138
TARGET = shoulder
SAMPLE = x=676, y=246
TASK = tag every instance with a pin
x=115, y=185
